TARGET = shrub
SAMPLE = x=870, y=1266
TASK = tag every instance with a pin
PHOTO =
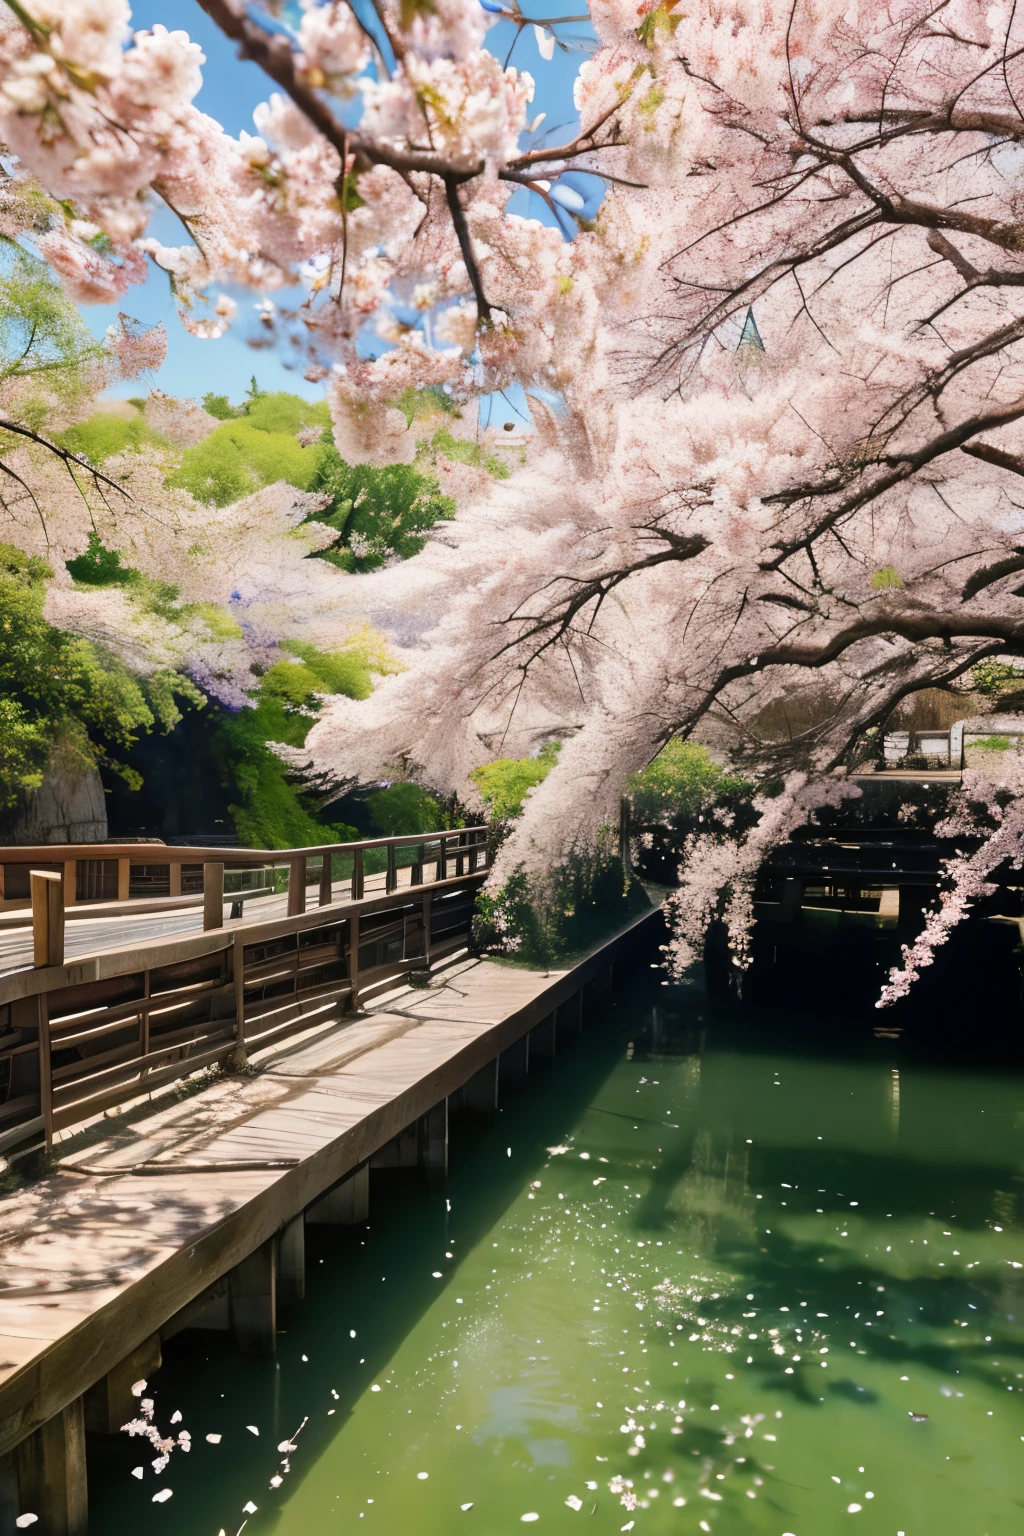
x=504, y=784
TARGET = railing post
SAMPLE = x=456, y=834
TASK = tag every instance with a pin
x=391, y=879
x=353, y=958
x=327, y=879
x=45, y=1070
x=174, y=870
x=296, y=887
x=357, y=875
x=70, y=882
x=439, y=867
x=47, y=917
x=124, y=879
x=238, y=978
x=427, y=903
x=416, y=872
x=213, y=896
x=460, y=857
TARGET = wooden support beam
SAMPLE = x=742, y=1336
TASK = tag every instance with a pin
x=402, y=1151
x=174, y=870
x=433, y=1133
x=291, y=1262
x=70, y=882
x=213, y=896
x=544, y=1037
x=51, y=1474
x=391, y=878
x=252, y=1292
x=346, y=1205
x=47, y=917
x=9, y=1507
x=357, y=875
x=513, y=1064
x=110, y=1403
x=481, y=1092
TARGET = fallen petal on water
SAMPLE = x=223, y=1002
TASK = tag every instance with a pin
x=275, y=1481
x=249, y=1509
x=162, y=1496
x=24, y=1521
x=286, y=1446
x=214, y=1439
x=252, y=1429
x=138, y=1472
x=853, y=1509
x=464, y=1507
x=573, y=1502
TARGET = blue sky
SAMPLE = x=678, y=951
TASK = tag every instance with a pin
x=231, y=89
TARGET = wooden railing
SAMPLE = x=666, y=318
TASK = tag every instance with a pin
x=96, y=879
x=78, y=1037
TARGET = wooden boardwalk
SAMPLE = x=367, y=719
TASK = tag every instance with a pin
x=99, y=1257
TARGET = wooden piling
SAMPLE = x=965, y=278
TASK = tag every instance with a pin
x=252, y=1292
x=52, y=1476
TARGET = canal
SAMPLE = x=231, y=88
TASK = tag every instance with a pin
x=753, y=1271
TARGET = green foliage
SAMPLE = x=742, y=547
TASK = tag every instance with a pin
x=680, y=782
x=270, y=812
x=989, y=744
x=888, y=577
x=587, y=901
x=415, y=404
x=463, y=451
x=45, y=346
x=238, y=458
x=994, y=677
x=221, y=407
x=105, y=434
x=102, y=567
x=405, y=808
x=99, y=566
x=377, y=512
x=284, y=412
x=504, y=784
x=61, y=695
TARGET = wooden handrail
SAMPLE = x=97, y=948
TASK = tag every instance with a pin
x=139, y=1017
x=178, y=853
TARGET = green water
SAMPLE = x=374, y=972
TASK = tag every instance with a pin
x=705, y=1275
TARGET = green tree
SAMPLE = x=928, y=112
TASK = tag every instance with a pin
x=271, y=812
x=46, y=349
x=61, y=696
x=377, y=512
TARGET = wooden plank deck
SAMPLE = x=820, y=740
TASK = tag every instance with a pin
x=94, y=1262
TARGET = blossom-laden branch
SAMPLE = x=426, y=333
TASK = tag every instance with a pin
x=993, y=812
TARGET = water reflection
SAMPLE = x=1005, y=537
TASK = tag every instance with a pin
x=727, y=1281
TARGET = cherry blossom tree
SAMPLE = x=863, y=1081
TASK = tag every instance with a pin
x=777, y=373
